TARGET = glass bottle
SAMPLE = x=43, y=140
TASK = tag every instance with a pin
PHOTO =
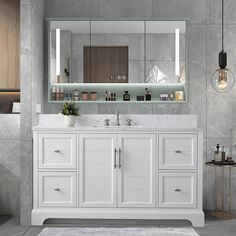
x=126, y=96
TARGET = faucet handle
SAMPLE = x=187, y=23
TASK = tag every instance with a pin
x=107, y=122
x=128, y=122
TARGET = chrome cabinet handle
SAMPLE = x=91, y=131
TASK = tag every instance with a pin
x=115, y=151
x=107, y=122
x=57, y=190
x=177, y=151
x=119, y=165
x=177, y=190
x=57, y=151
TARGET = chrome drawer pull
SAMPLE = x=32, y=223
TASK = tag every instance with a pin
x=119, y=165
x=177, y=151
x=177, y=190
x=115, y=158
x=57, y=190
x=57, y=151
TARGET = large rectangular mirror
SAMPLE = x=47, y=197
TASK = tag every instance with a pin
x=105, y=51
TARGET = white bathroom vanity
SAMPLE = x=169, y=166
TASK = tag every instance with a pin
x=151, y=170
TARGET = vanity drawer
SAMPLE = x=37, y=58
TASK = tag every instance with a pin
x=178, y=151
x=57, y=151
x=57, y=189
x=177, y=190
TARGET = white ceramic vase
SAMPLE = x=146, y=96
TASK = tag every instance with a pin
x=69, y=120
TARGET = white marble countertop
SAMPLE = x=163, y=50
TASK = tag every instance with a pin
x=112, y=129
x=140, y=123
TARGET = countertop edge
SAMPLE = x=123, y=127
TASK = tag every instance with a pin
x=110, y=129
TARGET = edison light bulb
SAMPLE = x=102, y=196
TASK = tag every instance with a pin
x=222, y=80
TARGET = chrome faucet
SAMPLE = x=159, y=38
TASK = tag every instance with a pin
x=117, y=118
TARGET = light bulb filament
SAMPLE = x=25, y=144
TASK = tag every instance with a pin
x=222, y=78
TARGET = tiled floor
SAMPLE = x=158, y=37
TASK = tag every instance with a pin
x=214, y=227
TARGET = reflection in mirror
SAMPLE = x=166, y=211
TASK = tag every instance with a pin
x=125, y=35
x=106, y=64
x=165, y=52
x=73, y=36
x=117, y=52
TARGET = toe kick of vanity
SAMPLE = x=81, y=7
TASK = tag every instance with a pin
x=144, y=174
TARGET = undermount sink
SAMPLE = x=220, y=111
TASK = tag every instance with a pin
x=118, y=127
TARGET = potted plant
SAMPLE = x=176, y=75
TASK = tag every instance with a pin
x=70, y=110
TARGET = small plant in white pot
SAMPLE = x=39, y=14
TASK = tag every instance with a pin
x=70, y=110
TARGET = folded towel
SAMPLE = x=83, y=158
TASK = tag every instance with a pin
x=16, y=107
x=156, y=76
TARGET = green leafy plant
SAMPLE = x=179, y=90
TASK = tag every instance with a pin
x=70, y=109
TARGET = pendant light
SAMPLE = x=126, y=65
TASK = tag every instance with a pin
x=222, y=79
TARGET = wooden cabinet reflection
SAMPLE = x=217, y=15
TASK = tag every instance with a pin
x=7, y=99
x=106, y=64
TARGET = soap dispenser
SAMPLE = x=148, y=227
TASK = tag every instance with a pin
x=217, y=153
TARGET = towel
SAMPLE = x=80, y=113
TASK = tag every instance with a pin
x=16, y=107
x=156, y=76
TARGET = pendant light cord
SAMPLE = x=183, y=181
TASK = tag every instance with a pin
x=222, y=25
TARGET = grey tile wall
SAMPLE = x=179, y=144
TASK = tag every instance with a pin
x=72, y=8
x=124, y=8
x=216, y=112
x=194, y=11
x=10, y=164
x=32, y=93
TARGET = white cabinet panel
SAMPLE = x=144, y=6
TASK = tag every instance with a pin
x=57, y=151
x=136, y=173
x=57, y=189
x=97, y=176
x=177, y=190
x=178, y=151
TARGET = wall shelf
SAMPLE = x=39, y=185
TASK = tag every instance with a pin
x=134, y=89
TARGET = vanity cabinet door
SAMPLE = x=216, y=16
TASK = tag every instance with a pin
x=97, y=172
x=136, y=170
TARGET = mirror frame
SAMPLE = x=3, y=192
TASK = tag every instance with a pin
x=49, y=84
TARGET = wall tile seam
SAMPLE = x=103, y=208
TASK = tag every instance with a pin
x=152, y=8
x=189, y=22
x=207, y=11
x=221, y=138
x=10, y=139
x=234, y=11
x=99, y=11
x=219, y=24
